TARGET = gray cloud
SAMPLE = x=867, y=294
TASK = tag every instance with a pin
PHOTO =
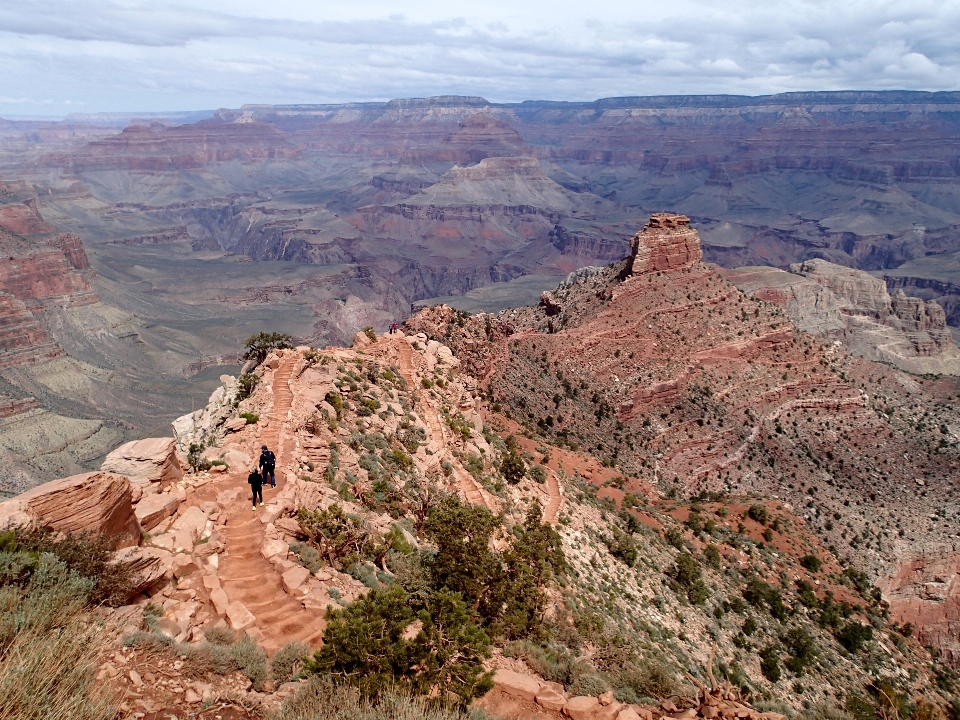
x=156, y=56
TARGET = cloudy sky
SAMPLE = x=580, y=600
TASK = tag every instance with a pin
x=63, y=56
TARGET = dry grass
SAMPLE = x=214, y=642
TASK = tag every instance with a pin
x=48, y=645
x=322, y=699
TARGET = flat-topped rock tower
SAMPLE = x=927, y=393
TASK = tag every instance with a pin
x=666, y=243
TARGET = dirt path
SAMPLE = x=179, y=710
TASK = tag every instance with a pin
x=468, y=486
x=556, y=499
x=244, y=573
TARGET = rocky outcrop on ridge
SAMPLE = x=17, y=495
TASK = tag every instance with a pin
x=97, y=503
x=665, y=244
x=854, y=307
x=151, y=460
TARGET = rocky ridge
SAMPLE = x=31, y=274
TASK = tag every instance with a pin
x=681, y=382
x=854, y=307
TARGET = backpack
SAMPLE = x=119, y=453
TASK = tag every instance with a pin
x=269, y=460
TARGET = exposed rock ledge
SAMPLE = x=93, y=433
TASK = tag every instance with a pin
x=855, y=308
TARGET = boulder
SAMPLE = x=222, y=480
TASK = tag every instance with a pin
x=239, y=617
x=146, y=461
x=293, y=578
x=234, y=424
x=582, y=707
x=517, y=685
x=154, y=509
x=550, y=699
x=191, y=522
x=148, y=564
x=272, y=548
x=95, y=502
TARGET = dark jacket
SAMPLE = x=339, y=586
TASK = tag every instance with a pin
x=268, y=461
x=255, y=478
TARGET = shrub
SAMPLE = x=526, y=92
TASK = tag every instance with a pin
x=622, y=547
x=770, y=663
x=801, y=647
x=260, y=345
x=250, y=417
x=650, y=678
x=712, y=555
x=324, y=699
x=589, y=684
x=758, y=513
x=90, y=556
x=195, y=459
x=287, y=661
x=219, y=635
x=336, y=402
x=250, y=660
x=538, y=474
x=47, y=646
x=686, y=579
x=853, y=635
x=307, y=555
x=246, y=384
x=811, y=563
x=370, y=333
x=364, y=645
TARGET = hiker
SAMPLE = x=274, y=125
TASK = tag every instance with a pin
x=268, y=463
x=255, y=481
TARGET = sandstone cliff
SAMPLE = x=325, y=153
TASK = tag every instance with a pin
x=854, y=307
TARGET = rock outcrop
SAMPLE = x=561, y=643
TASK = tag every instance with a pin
x=854, y=307
x=199, y=426
x=665, y=244
x=23, y=340
x=97, y=503
x=151, y=460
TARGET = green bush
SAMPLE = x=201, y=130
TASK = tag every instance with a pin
x=219, y=635
x=87, y=555
x=799, y=643
x=308, y=556
x=770, y=663
x=336, y=402
x=758, y=513
x=246, y=384
x=853, y=635
x=650, y=678
x=370, y=333
x=811, y=563
x=48, y=645
x=251, y=660
x=195, y=458
x=622, y=547
x=686, y=579
x=251, y=418
x=287, y=661
x=260, y=345
x=538, y=474
x=364, y=645
x=512, y=467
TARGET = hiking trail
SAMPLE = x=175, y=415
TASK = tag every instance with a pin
x=245, y=575
x=468, y=486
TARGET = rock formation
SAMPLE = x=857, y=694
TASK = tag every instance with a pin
x=665, y=244
x=854, y=307
x=151, y=460
x=97, y=503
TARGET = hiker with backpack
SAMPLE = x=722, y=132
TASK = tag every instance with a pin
x=255, y=480
x=268, y=463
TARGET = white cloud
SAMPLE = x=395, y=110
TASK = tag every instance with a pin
x=162, y=55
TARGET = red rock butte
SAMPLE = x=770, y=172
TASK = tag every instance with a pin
x=666, y=243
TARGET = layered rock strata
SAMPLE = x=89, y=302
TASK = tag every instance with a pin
x=855, y=308
x=97, y=503
x=151, y=460
x=665, y=244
